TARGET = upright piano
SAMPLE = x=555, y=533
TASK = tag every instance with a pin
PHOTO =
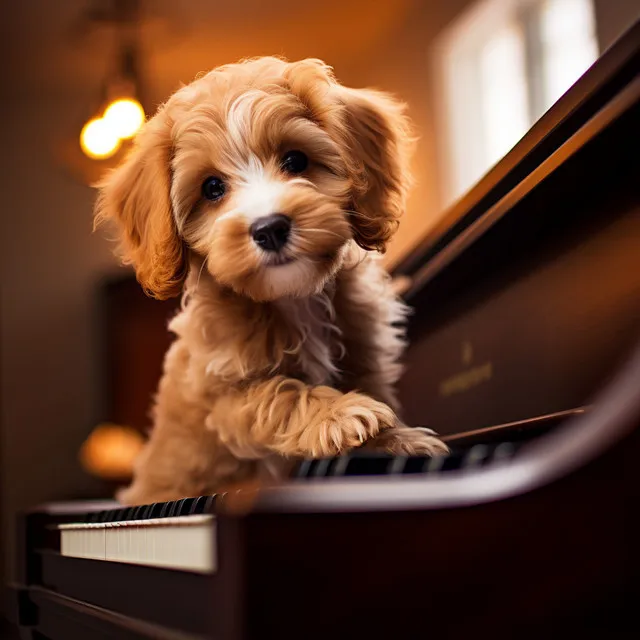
x=524, y=352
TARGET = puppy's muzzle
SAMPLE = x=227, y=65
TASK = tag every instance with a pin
x=271, y=233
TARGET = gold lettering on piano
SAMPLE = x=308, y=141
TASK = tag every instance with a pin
x=466, y=380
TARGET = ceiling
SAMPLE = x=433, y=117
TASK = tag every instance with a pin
x=44, y=52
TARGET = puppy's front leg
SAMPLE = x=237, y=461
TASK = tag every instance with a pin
x=291, y=418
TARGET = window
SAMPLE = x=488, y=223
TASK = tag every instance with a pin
x=499, y=67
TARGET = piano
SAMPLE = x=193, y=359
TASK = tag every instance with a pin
x=525, y=354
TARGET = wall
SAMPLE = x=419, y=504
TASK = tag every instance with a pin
x=613, y=17
x=50, y=265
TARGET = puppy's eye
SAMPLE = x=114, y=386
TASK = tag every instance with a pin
x=294, y=162
x=213, y=188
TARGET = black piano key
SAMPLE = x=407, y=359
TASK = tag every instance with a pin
x=440, y=464
x=165, y=509
x=398, y=465
x=156, y=509
x=306, y=469
x=177, y=508
x=453, y=462
x=135, y=514
x=118, y=514
x=433, y=465
x=311, y=471
x=323, y=466
x=185, y=506
x=212, y=501
x=144, y=511
x=504, y=451
x=199, y=506
x=171, y=506
x=339, y=467
x=477, y=456
x=303, y=469
x=413, y=464
x=367, y=465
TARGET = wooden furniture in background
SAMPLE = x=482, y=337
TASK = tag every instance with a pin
x=135, y=341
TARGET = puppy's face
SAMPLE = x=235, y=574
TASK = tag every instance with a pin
x=265, y=170
x=260, y=190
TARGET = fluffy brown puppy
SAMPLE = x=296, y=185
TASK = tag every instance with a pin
x=264, y=191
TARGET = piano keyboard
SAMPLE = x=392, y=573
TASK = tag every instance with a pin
x=178, y=535
x=182, y=535
x=364, y=463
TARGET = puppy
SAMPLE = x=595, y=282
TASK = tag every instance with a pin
x=264, y=192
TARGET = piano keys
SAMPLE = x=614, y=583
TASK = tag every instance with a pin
x=179, y=542
x=181, y=534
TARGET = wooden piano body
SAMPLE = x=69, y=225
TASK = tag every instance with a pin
x=527, y=316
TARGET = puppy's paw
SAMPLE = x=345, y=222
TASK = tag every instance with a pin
x=343, y=424
x=408, y=441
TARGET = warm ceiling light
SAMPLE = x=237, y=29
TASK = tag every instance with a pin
x=119, y=114
x=98, y=140
x=124, y=117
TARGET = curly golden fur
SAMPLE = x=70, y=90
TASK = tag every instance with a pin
x=279, y=355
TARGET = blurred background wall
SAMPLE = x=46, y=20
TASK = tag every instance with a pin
x=51, y=395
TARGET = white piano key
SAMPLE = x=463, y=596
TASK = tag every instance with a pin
x=183, y=542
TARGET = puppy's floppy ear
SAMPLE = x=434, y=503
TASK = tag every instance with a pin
x=379, y=138
x=136, y=196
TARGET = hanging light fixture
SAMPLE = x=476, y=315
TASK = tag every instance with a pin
x=121, y=114
x=124, y=117
x=98, y=140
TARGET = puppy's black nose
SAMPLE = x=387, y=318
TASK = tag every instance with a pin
x=271, y=232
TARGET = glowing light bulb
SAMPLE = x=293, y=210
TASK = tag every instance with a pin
x=125, y=116
x=98, y=140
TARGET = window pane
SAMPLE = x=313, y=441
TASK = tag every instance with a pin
x=504, y=92
x=502, y=64
x=569, y=45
